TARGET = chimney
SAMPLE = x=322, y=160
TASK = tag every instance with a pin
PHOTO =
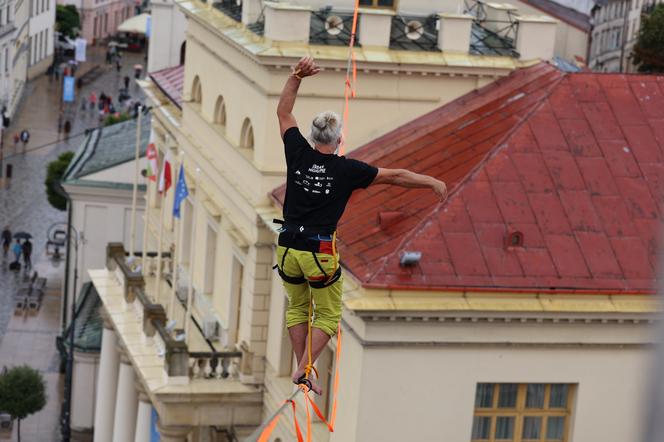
x=287, y=22
x=536, y=37
x=454, y=32
x=375, y=27
x=498, y=17
x=251, y=10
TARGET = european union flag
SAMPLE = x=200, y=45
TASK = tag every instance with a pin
x=181, y=193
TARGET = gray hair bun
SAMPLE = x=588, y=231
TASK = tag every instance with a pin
x=325, y=120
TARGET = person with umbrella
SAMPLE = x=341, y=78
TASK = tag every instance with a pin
x=27, y=254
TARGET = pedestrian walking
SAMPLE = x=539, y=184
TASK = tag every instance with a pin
x=61, y=120
x=67, y=129
x=17, y=249
x=27, y=254
x=17, y=138
x=6, y=241
x=84, y=103
x=126, y=82
x=92, y=99
x=25, y=137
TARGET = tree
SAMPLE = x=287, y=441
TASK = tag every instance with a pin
x=116, y=118
x=54, y=173
x=22, y=393
x=649, y=48
x=67, y=20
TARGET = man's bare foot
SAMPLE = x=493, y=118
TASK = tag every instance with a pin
x=314, y=386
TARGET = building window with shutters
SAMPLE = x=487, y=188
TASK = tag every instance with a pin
x=522, y=412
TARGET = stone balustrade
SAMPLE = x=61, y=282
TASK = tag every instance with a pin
x=180, y=365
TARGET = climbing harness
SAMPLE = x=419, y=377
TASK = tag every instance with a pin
x=303, y=238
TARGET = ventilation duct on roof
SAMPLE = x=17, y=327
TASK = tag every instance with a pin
x=409, y=259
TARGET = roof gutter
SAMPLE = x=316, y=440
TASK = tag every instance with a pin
x=521, y=290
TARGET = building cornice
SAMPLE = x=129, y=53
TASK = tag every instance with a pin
x=380, y=60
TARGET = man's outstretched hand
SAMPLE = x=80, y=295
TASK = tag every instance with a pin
x=440, y=189
x=305, y=68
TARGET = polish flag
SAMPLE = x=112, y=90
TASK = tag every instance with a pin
x=153, y=164
x=165, y=179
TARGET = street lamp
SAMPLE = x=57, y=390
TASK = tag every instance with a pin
x=72, y=237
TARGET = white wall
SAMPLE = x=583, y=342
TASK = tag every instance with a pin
x=42, y=22
x=399, y=392
x=101, y=219
x=86, y=367
x=168, y=34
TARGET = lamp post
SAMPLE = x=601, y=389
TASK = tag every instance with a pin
x=72, y=237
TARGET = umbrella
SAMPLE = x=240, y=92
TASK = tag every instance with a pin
x=22, y=235
x=138, y=66
x=113, y=43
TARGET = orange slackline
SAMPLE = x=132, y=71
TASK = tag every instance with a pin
x=349, y=87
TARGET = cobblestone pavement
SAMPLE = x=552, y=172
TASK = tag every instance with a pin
x=23, y=207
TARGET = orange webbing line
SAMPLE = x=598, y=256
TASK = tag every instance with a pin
x=349, y=88
x=335, y=389
x=269, y=428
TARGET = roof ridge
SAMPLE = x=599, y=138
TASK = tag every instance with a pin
x=473, y=98
x=458, y=187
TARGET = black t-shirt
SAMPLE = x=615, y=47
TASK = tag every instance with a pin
x=319, y=185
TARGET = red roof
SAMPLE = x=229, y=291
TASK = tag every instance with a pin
x=574, y=162
x=171, y=82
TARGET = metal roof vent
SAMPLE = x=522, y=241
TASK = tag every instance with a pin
x=409, y=259
x=334, y=25
x=414, y=30
x=514, y=239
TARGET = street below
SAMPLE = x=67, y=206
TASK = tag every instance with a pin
x=30, y=339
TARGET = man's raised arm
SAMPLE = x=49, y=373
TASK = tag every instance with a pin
x=304, y=68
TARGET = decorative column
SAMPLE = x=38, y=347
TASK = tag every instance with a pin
x=106, y=384
x=173, y=433
x=144, y=417
x=126, y=403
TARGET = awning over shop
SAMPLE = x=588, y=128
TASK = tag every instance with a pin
x=135, y=25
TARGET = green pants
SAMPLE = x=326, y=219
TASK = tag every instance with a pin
x=327, y=301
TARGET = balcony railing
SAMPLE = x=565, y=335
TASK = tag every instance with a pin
x=232, y=8
x=179, y=361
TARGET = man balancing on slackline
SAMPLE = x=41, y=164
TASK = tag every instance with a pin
x=319, y=184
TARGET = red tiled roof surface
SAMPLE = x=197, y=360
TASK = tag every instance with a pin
x=572, y=161
x=171, y=82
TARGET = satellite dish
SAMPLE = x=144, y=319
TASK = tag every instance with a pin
x=334, y=25
x=414, y=30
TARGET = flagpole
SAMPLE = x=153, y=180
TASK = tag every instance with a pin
x=160, y=243
x=192, y=256
x=144, y=252
x=134, y=197
x=177, y=234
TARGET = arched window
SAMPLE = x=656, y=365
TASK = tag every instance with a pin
x=247, y=135
x=196, y=91
x=183, y=52
x=220, y=112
